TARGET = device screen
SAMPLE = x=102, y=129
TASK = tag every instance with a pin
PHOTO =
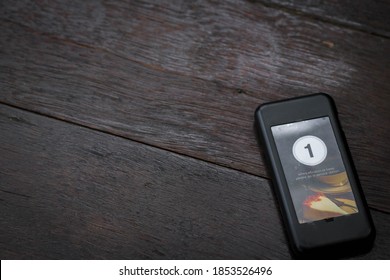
x=314, y=170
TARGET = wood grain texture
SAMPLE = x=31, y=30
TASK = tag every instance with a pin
x=71, y=192
x=366, y=15
x=68, y=192
x=187, y=77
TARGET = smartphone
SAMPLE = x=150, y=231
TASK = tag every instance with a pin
x=314, y=179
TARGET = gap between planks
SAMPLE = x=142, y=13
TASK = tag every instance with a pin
x=126, y=138
x=372, y=208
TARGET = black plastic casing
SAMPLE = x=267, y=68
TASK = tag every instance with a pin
x=342, y=236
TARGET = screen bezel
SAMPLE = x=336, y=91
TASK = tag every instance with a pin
x=334, y=230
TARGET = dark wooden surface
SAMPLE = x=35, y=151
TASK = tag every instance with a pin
x=371, y=16
x=127, y=128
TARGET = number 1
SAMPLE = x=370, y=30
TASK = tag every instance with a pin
x=308, y=147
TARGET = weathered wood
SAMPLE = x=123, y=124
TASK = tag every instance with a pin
x=71, y=192
x=188, y=78
x=185, y=77
x=366, y=15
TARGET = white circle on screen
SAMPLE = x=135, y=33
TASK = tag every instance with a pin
x=309, y=150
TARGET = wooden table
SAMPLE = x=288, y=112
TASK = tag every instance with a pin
x=127, y=126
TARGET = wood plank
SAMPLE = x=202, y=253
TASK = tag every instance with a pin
x=366, y=15
x=188, y=77
x=71, y=192
x=68, y=192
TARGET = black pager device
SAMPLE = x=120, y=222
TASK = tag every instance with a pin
x=314, y=179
